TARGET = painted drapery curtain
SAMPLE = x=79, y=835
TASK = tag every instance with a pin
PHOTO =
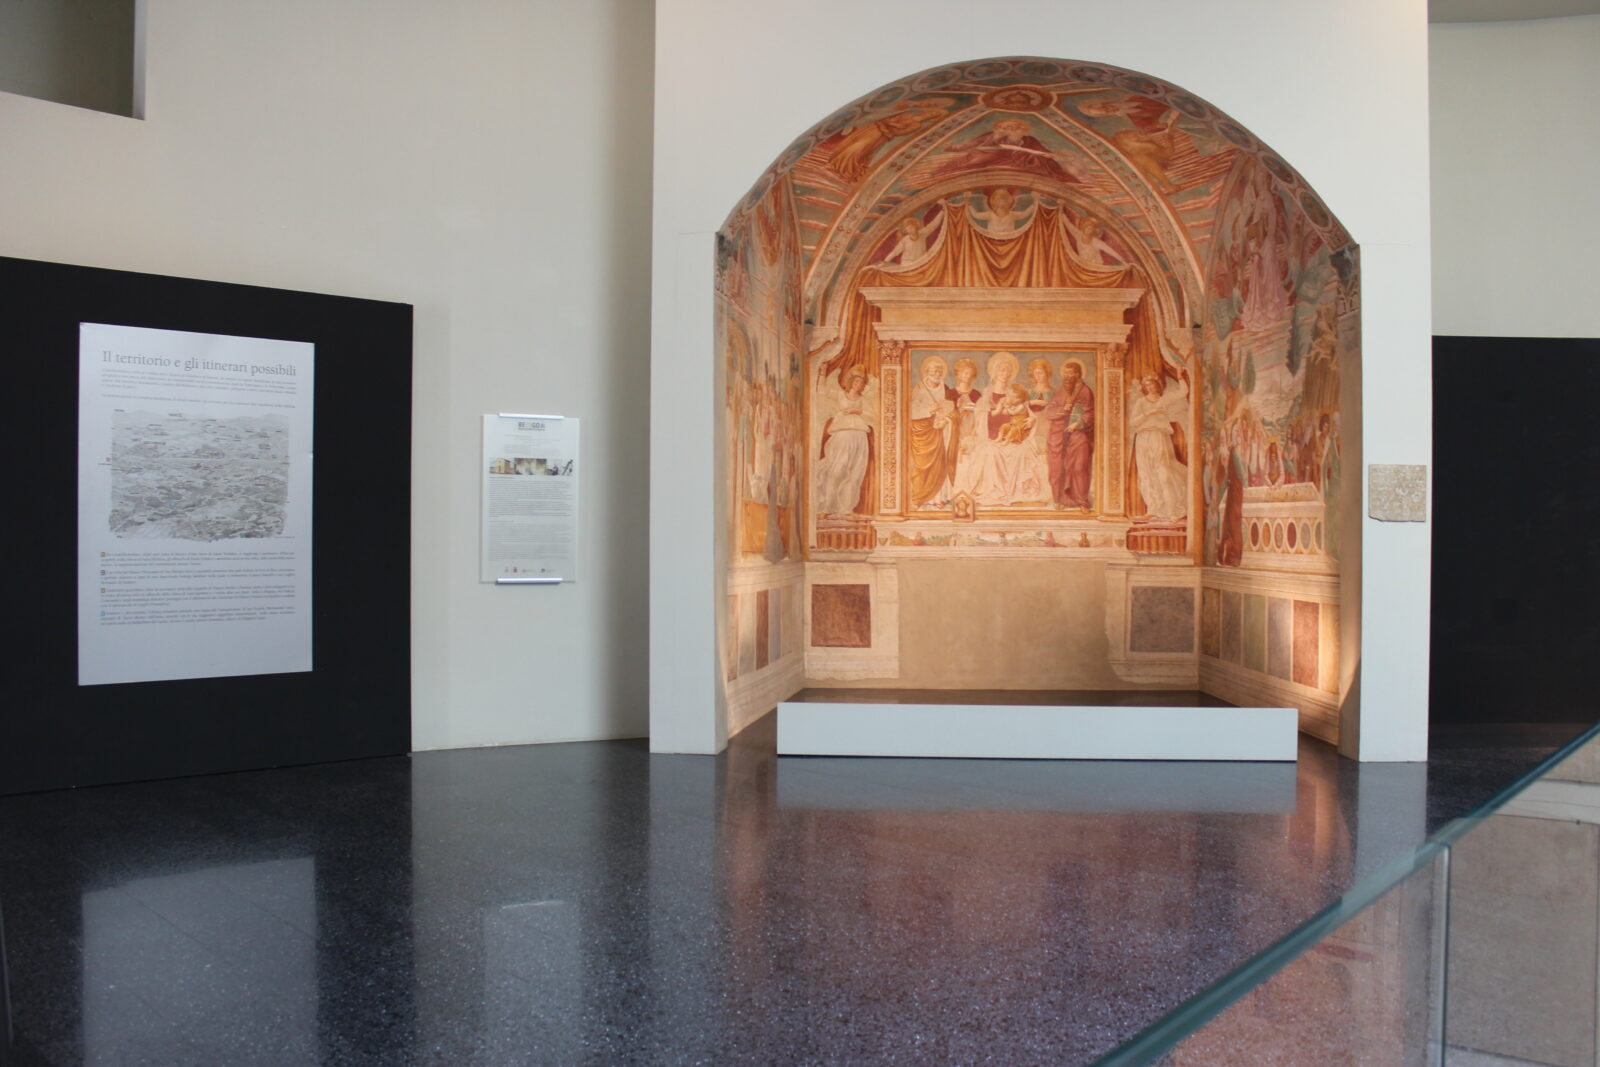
x=966, y=256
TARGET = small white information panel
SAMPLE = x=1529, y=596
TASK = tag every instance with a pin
x=530, y=499
x=194, y=505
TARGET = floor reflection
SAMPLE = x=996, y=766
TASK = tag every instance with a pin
x=592, y=903
x=214, y=965
x=533, y=978
x=957, y=907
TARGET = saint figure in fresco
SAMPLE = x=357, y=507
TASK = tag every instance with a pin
x=1152, y=142
x=758, y=455
x=1039, y=393
x=965, y=425
x=1230, y=539
x=1264, y=282
x=1326, y=459
x=853, y=150
x=774, y=550
x=1322, y=361
x=930, y=427
x=1039, y=375
x=1008, y=144
x=1070, y=445
x=1274, y=466
x=846, y=449
x=1153, y=419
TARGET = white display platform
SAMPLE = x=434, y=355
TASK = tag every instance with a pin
x=849, y=783
x=1035, y=731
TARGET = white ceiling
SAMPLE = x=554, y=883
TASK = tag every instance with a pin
x=1507, y=10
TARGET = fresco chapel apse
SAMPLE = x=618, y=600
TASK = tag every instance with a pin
x=1033, y=375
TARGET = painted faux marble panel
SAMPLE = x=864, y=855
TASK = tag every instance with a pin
x=730, y=638
x=1307, y=636
x=1280, y=637
x=1255, y=632
x=775, y=602
x=841, y=616
x=763, y=635
x=1160, y=619
x=1328, y=665
x=1211, y=622
x=746, y=624
x=793, y=633
x=1232, y=627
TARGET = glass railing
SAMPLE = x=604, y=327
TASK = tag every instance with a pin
x=1480, y=948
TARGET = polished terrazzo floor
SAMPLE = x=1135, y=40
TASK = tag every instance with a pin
x=591, y=903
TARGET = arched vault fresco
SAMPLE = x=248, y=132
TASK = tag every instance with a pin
x=1028, y=309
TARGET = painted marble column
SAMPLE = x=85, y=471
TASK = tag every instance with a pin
x=891, y=371
x=1112, y=416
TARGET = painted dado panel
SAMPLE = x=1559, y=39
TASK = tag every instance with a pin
x=763, y=658
x=1268, y=638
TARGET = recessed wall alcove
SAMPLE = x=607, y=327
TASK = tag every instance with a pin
x=1036, y=374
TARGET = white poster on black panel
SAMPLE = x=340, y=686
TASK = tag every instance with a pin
x=530, y=499
x=194, y=505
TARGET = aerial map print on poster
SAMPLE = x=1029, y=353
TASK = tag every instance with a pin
x=194, y=505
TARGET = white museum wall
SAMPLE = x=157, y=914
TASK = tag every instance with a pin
x=1516, y=149
x=1340, y=92
x=487, y=161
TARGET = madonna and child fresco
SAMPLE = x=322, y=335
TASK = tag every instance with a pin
x=1011, y=443
x=1041, y=306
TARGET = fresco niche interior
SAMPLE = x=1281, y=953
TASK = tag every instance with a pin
x=1033, y=373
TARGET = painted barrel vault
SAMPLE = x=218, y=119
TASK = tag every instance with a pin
x=1033, y=374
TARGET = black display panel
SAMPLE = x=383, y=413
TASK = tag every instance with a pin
x=1516, y=530
x=355, y=701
